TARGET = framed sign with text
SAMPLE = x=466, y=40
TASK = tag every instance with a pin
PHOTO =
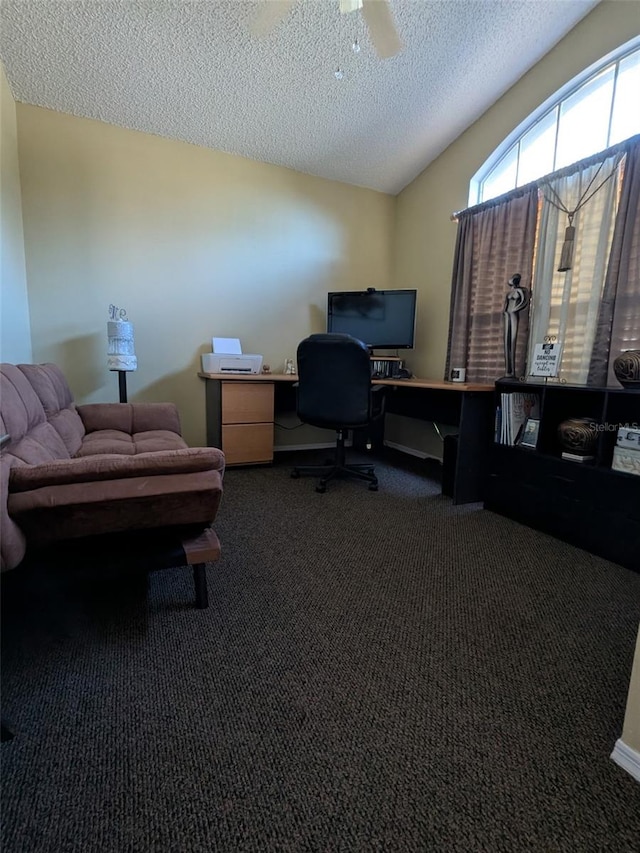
x=546, y=359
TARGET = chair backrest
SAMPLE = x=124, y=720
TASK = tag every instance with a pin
x=334, y=388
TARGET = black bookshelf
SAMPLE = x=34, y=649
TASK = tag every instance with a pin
x=588, y=504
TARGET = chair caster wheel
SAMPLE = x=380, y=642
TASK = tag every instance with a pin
x=321, y=487
x=373, y=487
x=295, y=475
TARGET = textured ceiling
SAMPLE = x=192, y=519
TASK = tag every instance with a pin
x=193, y=71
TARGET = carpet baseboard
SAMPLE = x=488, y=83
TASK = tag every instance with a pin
x=327, y=445
x=627, y=758
x=411, y=451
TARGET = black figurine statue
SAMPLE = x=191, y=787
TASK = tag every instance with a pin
x=517, y=300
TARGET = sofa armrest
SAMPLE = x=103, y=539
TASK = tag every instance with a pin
x=87, y=469
x=130, y=417
x=13, y=544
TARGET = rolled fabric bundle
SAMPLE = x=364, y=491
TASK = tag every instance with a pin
x=121, y=349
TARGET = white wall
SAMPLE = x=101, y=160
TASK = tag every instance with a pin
x=15, y=332
x=631, y=728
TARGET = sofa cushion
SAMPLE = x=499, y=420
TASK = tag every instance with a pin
x=33, y=439
x=113, y=467
x=130, y=418
x=49, y=383
x=75, y=510
x=115, y=441
x=21, y=408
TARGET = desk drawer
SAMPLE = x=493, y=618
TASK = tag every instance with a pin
x=247, y=402
x=243, y=444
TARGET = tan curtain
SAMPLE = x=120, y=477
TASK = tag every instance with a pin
x=618, y=326
x=566, y=304
x=494, y=241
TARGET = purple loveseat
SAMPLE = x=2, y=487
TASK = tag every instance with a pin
x=71, y=472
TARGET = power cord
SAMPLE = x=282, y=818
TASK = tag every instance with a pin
x=437, y=429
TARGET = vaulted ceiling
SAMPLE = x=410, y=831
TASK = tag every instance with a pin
x=195, y=71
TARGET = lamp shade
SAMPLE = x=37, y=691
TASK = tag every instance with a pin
x=121, y=353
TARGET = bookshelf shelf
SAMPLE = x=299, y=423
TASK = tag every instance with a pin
x=588, y=504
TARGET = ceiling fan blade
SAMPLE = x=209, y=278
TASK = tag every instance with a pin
x=270, y=15
x=382, y=30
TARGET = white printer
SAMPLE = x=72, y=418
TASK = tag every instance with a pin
x=227, y=357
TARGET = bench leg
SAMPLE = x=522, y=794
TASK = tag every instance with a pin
x=200, y=580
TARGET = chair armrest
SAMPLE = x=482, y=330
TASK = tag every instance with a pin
x=130, y=417
x=87, y=469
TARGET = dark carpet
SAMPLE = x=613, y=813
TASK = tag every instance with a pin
x=375, y=672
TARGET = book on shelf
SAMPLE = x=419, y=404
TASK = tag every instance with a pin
x=576, y=457
x=628, y=437
x=529, y=435
x=386, y=367
x=515, y=408
x=626, y=459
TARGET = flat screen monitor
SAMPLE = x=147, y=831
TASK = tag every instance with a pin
x=382, y=319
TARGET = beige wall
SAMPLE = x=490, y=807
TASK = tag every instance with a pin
x=425, y=236
x=631, y=728
x=15, y=334
x=193, y=243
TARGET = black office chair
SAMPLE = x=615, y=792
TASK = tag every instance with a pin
x=334, y=391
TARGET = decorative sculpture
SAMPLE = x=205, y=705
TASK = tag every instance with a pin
x=516, y=300
x=627, y=368
x=578, y=437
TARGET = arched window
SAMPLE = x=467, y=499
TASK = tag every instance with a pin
x=597, y=109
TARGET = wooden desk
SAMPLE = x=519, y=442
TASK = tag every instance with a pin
x=240, y=410
x=435, y=385
x=240, y=414
x=468, y=407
